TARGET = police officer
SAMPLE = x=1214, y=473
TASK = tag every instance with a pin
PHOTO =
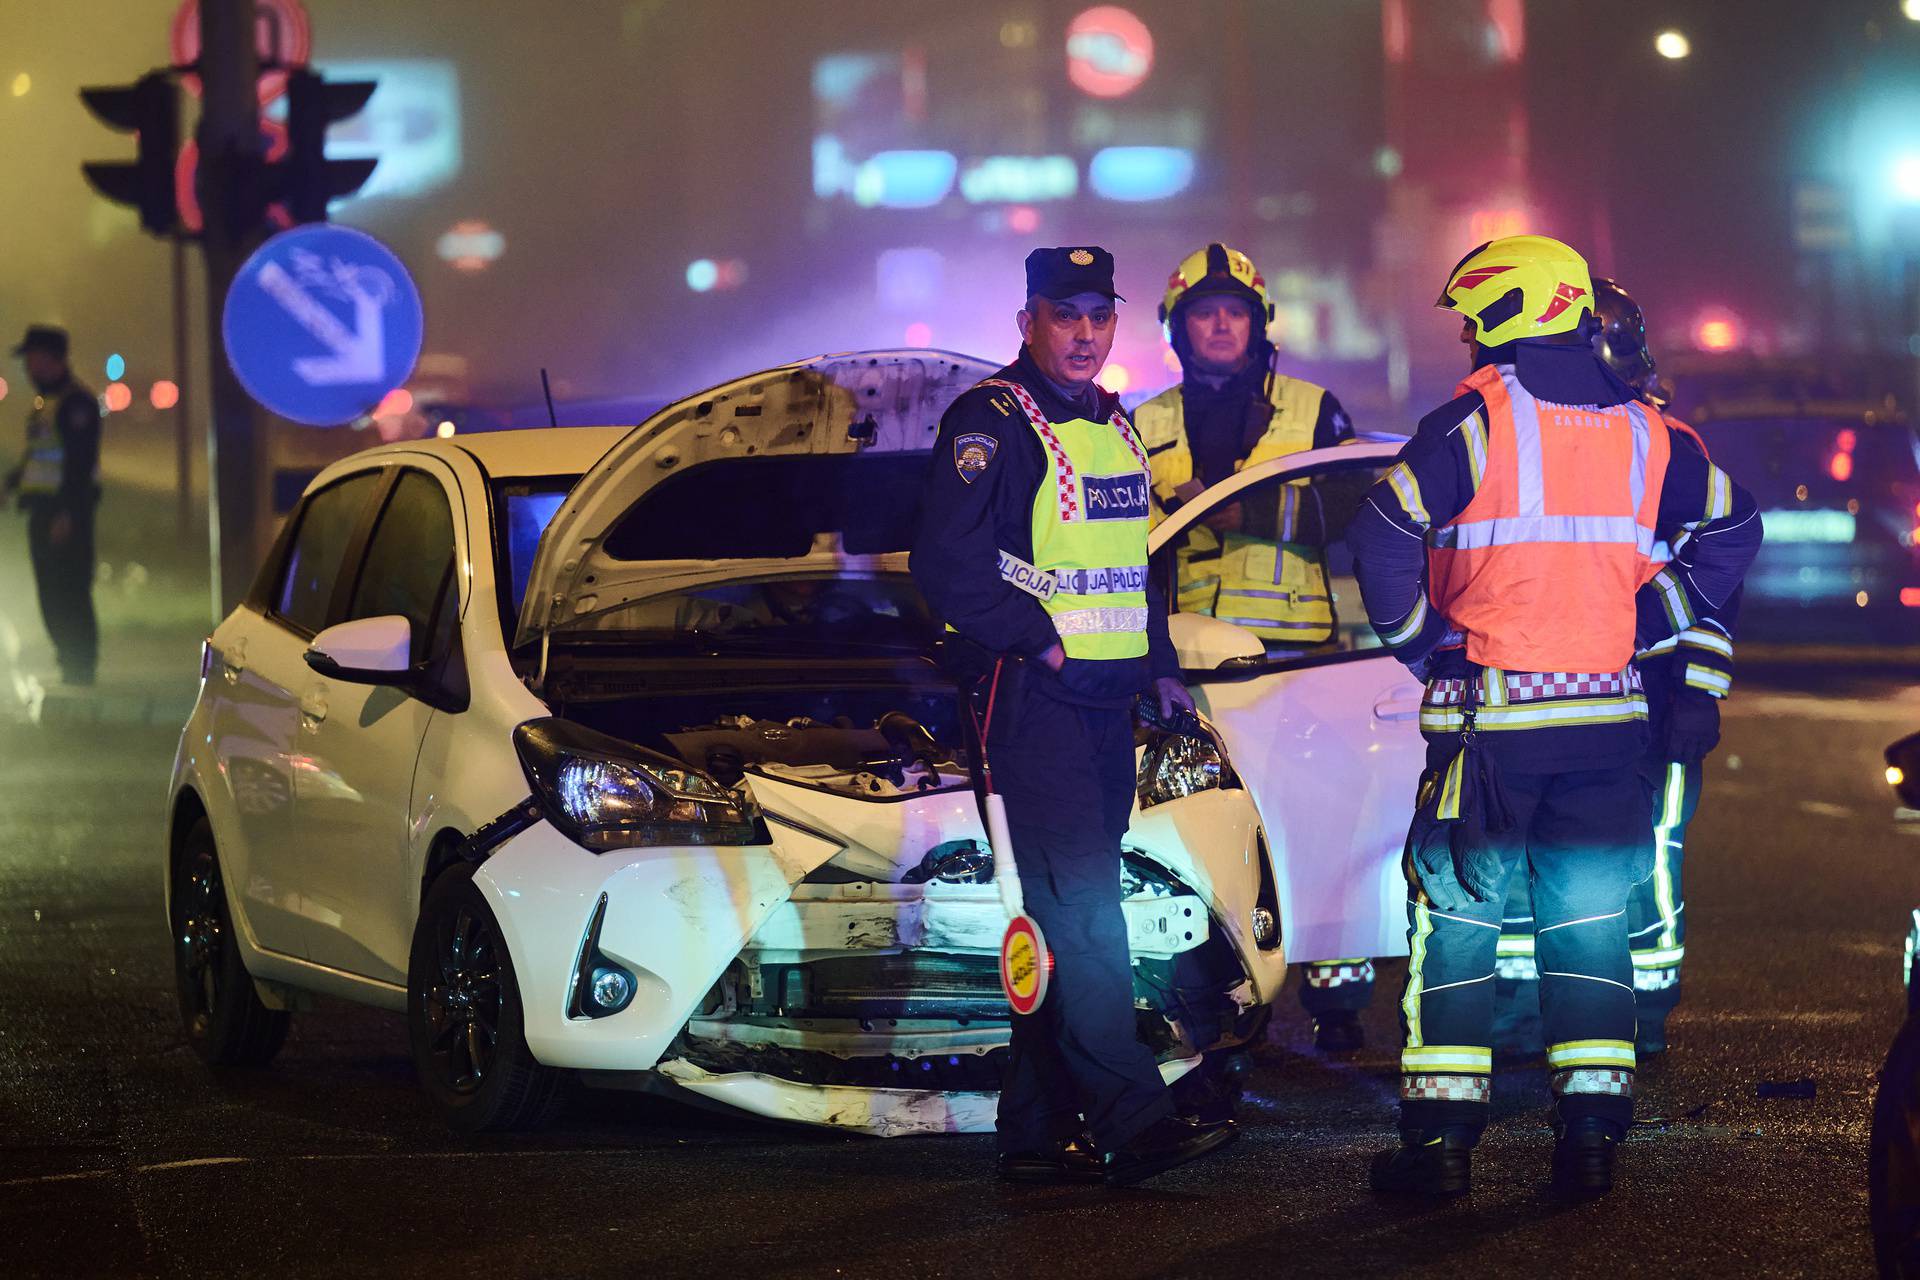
x=1233, y=408
x=1032, y=545
x=1684, y=677
x=57, y=485
x=1503, y=559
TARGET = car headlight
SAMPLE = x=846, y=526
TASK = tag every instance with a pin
x=1181, y=763
x=604, y=793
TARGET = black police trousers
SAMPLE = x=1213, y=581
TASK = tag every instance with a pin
x=63, y=577
x=1066, y=772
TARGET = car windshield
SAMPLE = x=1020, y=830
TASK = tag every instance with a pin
x=524, y=508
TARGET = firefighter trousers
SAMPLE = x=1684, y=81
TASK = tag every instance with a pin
x=1066, y=772
x=1656, y=922
x=1580, y=839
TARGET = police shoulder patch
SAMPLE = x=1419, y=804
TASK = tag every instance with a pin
x=972, y=452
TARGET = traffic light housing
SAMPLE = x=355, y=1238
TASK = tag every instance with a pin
x=308, y=181
x=150, y=107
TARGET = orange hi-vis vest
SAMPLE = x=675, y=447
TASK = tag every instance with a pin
x=1540, y=570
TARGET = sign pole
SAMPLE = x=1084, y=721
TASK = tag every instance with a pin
x=230, y=172
x=183, y=407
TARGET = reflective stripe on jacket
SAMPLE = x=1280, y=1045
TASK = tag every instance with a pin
x=1541, y=569
x=1090, y=521
x=1273, y=586
x=44, y=465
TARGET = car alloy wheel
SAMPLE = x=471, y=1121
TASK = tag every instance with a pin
x=200, y=938
x=465, y=1018
x=463, y=1004
x=220, y=1010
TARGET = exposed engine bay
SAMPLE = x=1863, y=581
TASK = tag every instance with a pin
x=896, y=756
x=880, y=731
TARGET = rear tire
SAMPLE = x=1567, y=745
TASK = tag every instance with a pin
x=1893, y=1159
x=464, y=1015
x=222, y=1014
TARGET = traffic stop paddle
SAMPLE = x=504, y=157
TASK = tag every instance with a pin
x=1025, y=962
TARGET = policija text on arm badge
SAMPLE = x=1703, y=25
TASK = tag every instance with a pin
x=971, y=454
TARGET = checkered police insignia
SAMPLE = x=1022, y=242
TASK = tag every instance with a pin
x=971, y=454
x=1080, y=258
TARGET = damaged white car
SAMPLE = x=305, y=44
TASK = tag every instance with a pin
x=627, y=753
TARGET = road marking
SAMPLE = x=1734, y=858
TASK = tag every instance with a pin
x=203, y=1162
x=1821, y=809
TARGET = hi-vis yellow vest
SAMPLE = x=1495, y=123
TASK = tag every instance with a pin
x=1091, y=514
x=45, y=461
x=1275, y=587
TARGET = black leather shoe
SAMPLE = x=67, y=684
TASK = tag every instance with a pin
x=1583, y=1161
x=1167, y=1144
x=1439, y=1167
x=1339, y=1032
x=1074, y=1160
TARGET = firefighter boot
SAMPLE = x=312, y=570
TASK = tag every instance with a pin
x=1583, y=1160
x=1438, y=1165
x=1338, y=1031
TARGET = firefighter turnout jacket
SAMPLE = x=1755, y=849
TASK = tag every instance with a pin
x=1526, y=522
x=1263, y=578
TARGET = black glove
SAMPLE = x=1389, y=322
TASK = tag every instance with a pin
x=1693, y=726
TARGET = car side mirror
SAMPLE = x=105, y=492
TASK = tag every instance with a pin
x=365, y=651
x=1207, y=644
x=1903, y=770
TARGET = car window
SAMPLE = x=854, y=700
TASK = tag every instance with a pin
x=1273, y=558
x=524, y=508
x=326, y=525
x=408, y=568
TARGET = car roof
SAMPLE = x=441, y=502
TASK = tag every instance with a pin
x=507, y=455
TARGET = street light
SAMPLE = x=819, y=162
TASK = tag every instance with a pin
x=1674, y=46
x=1906, y=170
x=1911, y=8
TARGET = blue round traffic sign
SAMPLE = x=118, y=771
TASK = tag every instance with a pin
x=320, y=323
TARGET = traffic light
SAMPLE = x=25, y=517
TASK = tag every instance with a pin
x=150, y=108
x=308, y=180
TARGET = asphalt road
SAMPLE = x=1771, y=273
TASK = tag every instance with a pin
x=121, y=1155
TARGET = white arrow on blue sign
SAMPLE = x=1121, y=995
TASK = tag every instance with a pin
x=320, y=323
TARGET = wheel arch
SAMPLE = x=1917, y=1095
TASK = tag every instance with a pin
x=443, y=852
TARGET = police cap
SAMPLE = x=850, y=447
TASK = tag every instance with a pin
x=43, y=337
x=1064, y=272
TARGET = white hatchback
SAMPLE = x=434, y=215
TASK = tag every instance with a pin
x=627, y=753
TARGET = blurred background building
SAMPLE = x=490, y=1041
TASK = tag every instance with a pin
x=648, y=196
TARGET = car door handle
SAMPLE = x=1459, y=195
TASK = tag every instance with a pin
x=313, y=706
x=1402, y=702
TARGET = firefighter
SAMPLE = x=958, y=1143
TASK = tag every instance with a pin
x=1684, y=677
x=1513, y=558
x=1032, y=546
x=57, y=481
x=1262, y=569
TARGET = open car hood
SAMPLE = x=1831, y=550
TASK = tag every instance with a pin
x=866, y=402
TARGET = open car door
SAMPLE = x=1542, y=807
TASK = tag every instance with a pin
x=1322, y=723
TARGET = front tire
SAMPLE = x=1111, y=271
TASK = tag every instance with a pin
x=1893, y=1159
x=222, y=1014
x=464, y=1015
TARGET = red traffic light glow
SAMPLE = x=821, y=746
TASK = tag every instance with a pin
x=165, y=394
x=283, y=39
x=117, y=396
